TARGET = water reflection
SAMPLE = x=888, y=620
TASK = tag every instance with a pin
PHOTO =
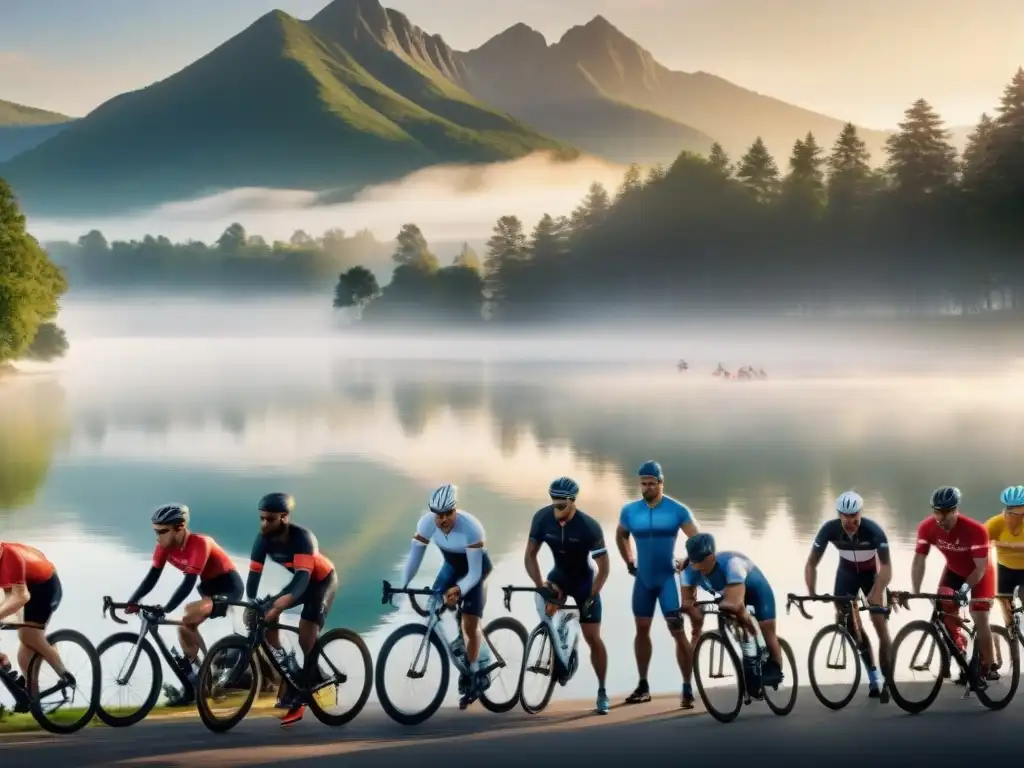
x=360, y=444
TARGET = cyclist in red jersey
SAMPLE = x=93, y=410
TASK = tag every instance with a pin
x=30, y=582
x=964, y=543
x=200, y=559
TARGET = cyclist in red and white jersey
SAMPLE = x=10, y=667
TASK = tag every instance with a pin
x=965, y=544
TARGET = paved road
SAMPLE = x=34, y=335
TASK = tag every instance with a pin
x=952, y=732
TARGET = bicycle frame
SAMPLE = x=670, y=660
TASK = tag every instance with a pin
x=434, y=628
x=553, y=631
x=150, y=622
x=937, y=621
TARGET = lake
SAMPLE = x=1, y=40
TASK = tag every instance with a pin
x=90, y=445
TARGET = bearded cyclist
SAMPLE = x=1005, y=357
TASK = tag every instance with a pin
x=655, y=521
x=201, y=560
x=965, y=545
x=864, y=567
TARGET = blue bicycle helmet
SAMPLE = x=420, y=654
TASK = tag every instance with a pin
x=651, y=469
x=700, y=547
x=564, y=488
x=1013, y=496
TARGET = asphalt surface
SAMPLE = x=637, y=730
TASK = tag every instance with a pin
x=953, y=731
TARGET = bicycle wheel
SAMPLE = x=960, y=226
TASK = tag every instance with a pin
x=999, y=693
x=722, y=662
x=325, y=672
x=782, y=699
x=840, y=655
x=538, y=659
x=503, y=661
x=54, y=710
x=221, y=681
x=419, y=655
x=118, y=657
x=927, y=649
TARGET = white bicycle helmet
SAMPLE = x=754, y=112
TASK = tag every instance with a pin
x=444, y=498
x=849, y=503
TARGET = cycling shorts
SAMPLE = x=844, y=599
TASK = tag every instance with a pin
x=44, y=597
x=473, y=602
x=1007, y=579
x=983, y=590
x=850, y=582
x=578, y=589
x=228, y=586
x=318, y=598
x=665, y=594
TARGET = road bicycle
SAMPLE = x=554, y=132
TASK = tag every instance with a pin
x=842, y=649
x=61, y=707
x=556, y=639
x=233, y=660
x=721, y=645
x=933, y=642
x=431, y=637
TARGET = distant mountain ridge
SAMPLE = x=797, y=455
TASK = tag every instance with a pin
x=333, y=103
x=518, y=71
x=23, y=127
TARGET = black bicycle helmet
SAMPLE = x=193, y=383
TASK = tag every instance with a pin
x=278, y=503
x=945, y=498
x=170, y=514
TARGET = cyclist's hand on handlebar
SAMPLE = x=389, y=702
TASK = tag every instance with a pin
x=131, y=608
x=451, y=597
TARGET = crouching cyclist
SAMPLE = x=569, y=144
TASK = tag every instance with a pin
x=742, y=585
x=30, y=582
x=201, y=560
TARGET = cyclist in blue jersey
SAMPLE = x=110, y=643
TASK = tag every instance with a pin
x=575, y=538
x=654, y=521
x=742, y=585
x=863, y=567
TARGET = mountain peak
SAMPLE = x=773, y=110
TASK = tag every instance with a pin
x=597, y=31
x=519, y=39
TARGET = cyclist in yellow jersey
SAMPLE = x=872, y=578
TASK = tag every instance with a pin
x=1006, y=532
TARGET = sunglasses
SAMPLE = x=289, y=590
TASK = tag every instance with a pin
x=443, y=514
x=162, y=531
x=560, y=504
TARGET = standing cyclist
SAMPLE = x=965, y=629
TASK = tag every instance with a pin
x=654, y=521
x=313, y=585
x=864, y=566
x=573, y=537
x=200, y=559
x=1006, y=532
x=30, y=581
x=964, y=543
x=460, y=537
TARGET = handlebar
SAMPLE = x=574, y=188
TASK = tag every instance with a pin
x=956, y=597
x=544, y=591
x=389, y=591
x=152, y=612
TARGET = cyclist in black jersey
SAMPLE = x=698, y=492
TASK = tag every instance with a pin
x=574, y=538
x=864, y=566
x=313, y=584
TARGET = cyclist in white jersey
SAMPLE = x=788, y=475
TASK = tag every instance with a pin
x=460, y=537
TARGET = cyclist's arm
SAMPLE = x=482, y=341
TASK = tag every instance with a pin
x=622, y=540
x=198, y=549
x=475, y=560
x=917, y=572
x=734, y=602
x=16, y=597
x=980, y=566
x=818, y=548
x=184, y=590
x=257, y=558
x=424, y=530
x=531, y=563
x=884, y=576
x=147, y=583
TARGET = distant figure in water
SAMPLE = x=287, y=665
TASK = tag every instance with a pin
x=720, y=371
x=682, y=365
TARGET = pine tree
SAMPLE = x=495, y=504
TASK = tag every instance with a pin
x=921, y=159
x=849, y=171
x=974, y=161
x=758, y=172
x=632, y=182
x=467, y=258
x=412, y=250
x=506, y=253
x=804, y=186
x=547, y=241
x=719, y=160
x=1000, y=169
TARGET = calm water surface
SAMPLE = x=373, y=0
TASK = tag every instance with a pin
x=87, y=451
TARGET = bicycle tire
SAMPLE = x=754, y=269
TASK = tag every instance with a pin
x=382, y=659
x=929, y=630
x=983, y=696
x=794, y=686
x=35, y=705
x=541, y=633
x=203, y=679
x=849, y=645
x=504, y=622
x=311, y=673
x=708, y=638
x=149, y=652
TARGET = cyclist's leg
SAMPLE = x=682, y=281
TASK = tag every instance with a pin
x=1006, y=580
x=759, y=596
x=668, y=601
x=316, y=604
x=981, y=596
x=590, y=627
x=473, y=603
x=44, y=599
x=644, y=600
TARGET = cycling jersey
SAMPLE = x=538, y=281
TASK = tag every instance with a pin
x=457, y=569
x=968, y=540
x=998, y=530
x=734, y=568
x=199, y=555
x=655, y=530
x=298, y=550
x=572, y=543
x=22, y=564
x=857, y=552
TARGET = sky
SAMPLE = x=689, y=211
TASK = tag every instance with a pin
x=860, y=60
